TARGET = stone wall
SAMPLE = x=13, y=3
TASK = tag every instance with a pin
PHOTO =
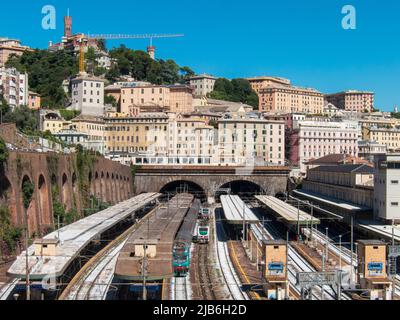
x=104, y=179
x=270, y=184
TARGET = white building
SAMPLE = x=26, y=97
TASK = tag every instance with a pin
x=104, y=60
x=387, y=187
x=244, y=139
x=318, y=139
x=202, y=84
x=368, y=149
x=190, y=141
x=87, y=95
x=14, y=87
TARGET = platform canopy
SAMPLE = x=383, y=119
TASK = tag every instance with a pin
x=287, y=212
x=234, y=207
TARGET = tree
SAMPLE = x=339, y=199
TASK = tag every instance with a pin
x=102, y=45
x=142, y=67
x=27, y=192
x=185, y=74
x=24, y=118
x=237, y=90
x=108, y=99
x=47, y=70
x=3, y=152
x=69, y=114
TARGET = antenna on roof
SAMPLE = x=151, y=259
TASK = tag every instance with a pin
x=68, y=12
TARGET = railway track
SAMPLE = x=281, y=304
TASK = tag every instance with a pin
x=346, y=254
x=7, y=288
x=204, y=275
x=298, y=264
x=91, y=287
x=85, y=282
x=180, y=291
x=228, y=272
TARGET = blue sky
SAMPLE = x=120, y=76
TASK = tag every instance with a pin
x=298, y=39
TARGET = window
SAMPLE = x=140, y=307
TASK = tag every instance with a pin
x=394, y=204
x=394, y=182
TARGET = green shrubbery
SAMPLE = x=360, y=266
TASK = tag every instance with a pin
x=237, y=90
x=9, y=235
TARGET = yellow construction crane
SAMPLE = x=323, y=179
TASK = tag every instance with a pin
x=150, y=49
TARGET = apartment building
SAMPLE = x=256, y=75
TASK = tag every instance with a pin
x=352, y=100
x=87, y=94
x=202, y=84
x=144, y=134
x=318, y=139
x=34, y=100
x=258, y=83
x=387, y=187
x=290, y=99
x=190, y=140
x=144, y=97
x=181, y=99
x=94, y=128
x=9, y=47
x=244, y=138
x=389, y=137
x=368, y=149
x=175, y=98
x=14, y=87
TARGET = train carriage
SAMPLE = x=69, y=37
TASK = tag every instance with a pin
x=183, y=241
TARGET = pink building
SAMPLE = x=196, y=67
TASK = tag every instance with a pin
x=310, y=140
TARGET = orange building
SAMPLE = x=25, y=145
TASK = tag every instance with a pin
x=258, y=83
x=290, y=99
x=359, y=101
x=9, y=47
x=34, y=100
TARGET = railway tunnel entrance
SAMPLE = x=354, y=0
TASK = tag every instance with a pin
x=243, y=188
x=183, y=186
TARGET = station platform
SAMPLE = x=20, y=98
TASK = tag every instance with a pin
x=287, y=212
x=349, y=206
x=53, y=254
x=380, y=230
x=157, y=233
x=234, y=209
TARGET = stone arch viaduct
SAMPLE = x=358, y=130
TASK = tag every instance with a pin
x=107, y=181
x=271, y=180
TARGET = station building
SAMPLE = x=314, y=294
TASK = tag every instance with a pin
x=372, y=274
x=387, y=187
x=275, y=269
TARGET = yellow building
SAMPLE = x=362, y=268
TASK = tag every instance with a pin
x=385, y=136
x=94, y=127
x=144, y=134
x=54, y=123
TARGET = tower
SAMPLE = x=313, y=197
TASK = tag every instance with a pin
x=151, y=51
x=67, y=25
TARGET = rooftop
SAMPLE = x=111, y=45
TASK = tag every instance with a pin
x=332, y=201
x=288, y=212
x=346, y=168
x=337, y=158
x=74, y=237
x=203, y=75
x=351, y=92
